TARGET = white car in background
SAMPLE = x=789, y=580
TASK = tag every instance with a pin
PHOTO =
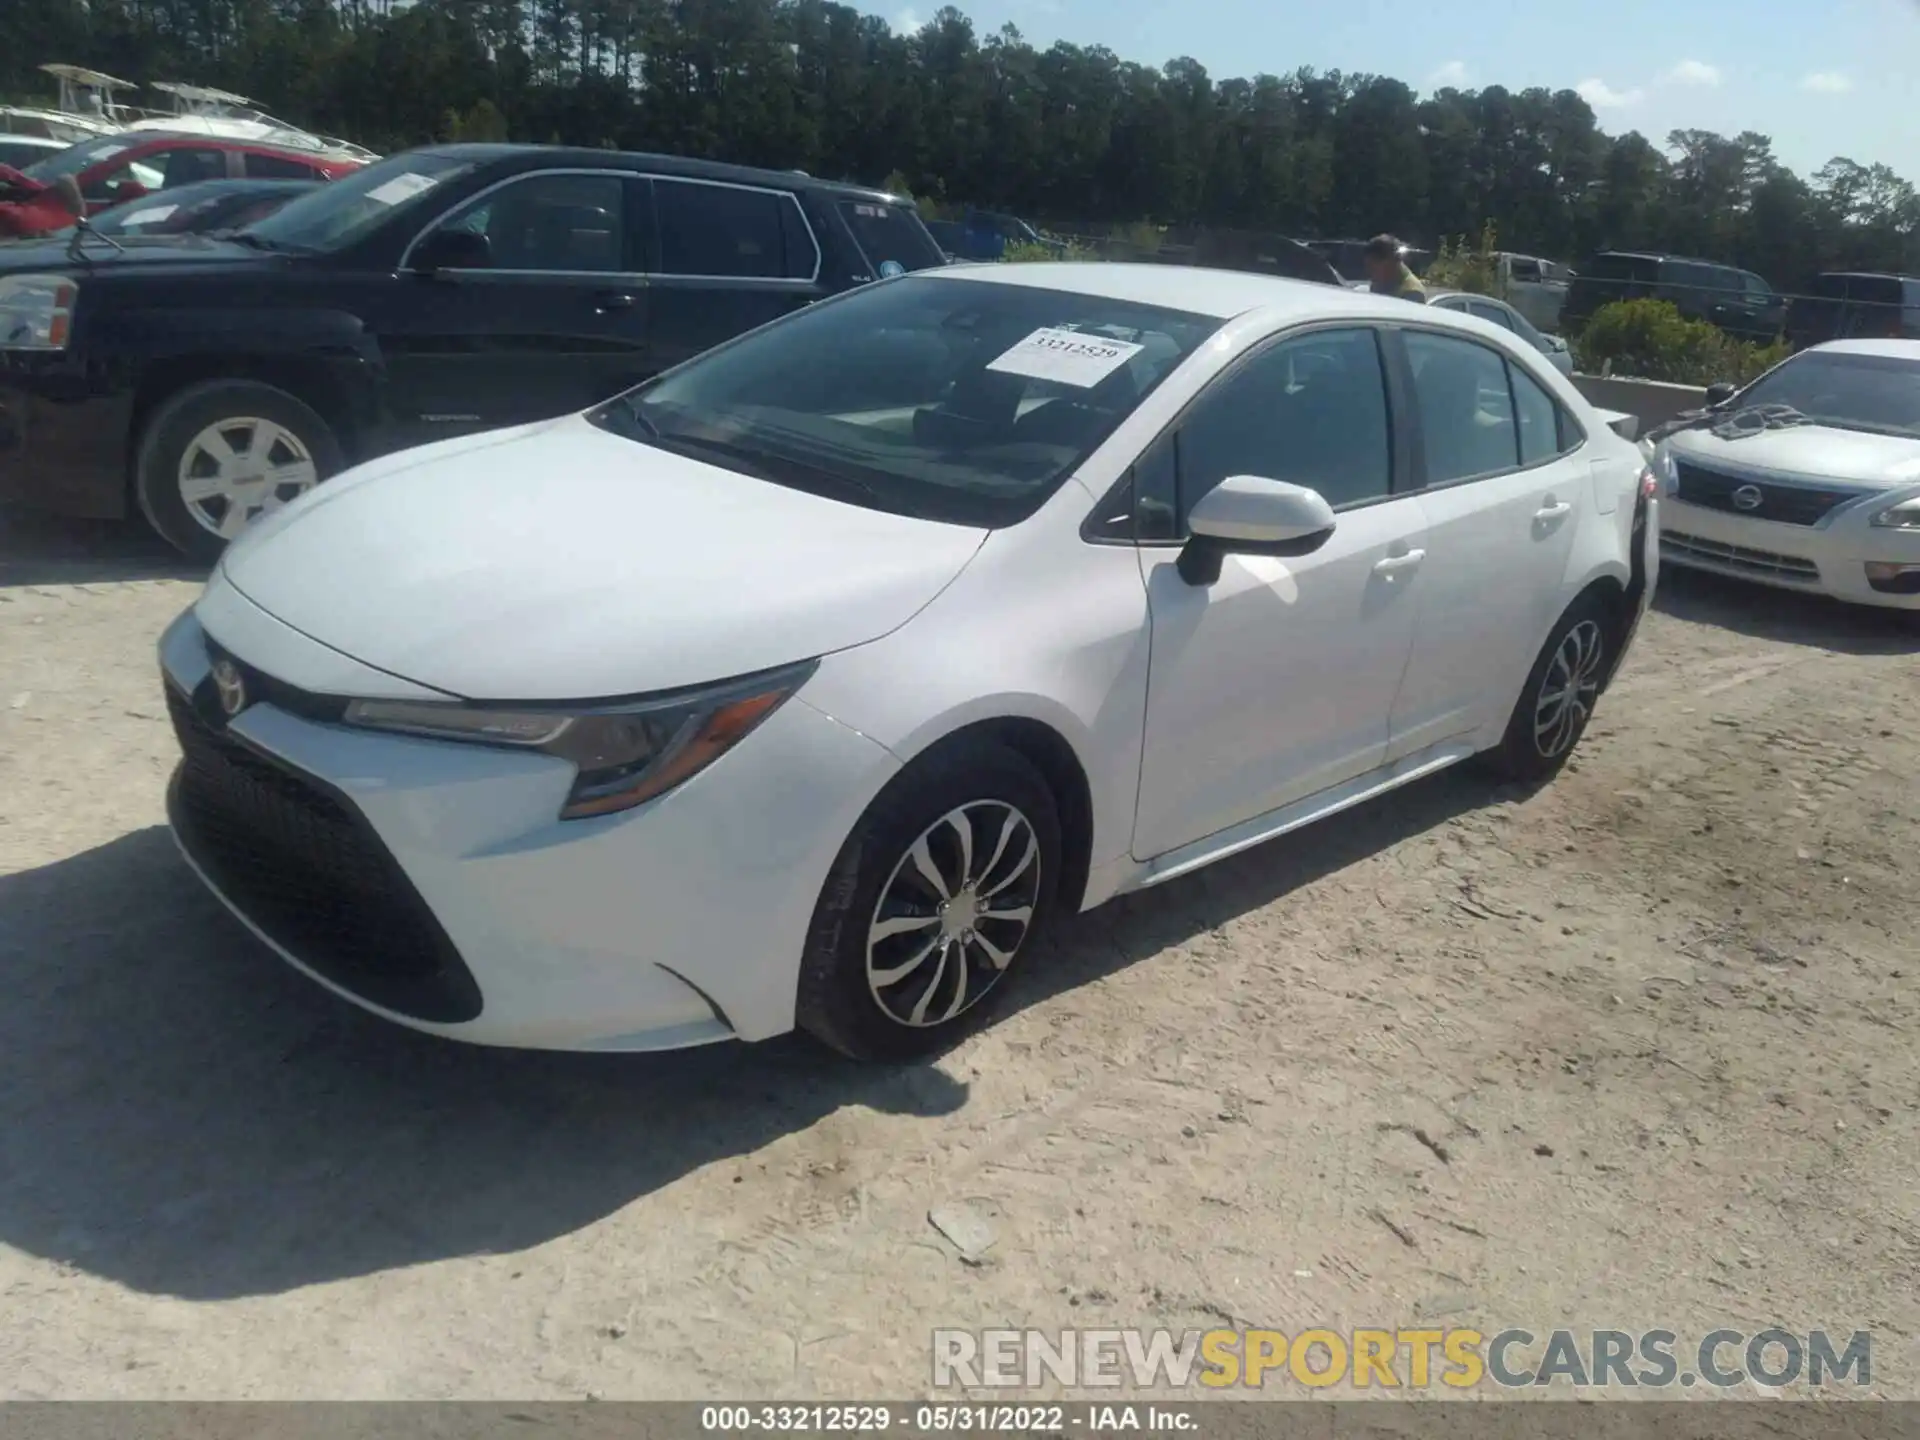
x=799, y=685
x=1499, y=312
x=1809, y=479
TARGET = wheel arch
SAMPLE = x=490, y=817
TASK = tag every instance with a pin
x=1047, y=749
x=309, y=379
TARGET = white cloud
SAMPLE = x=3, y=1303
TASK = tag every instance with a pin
x=906, y=22
x=1452, y=74
x=1694, y=72
x=1603, y=96
x=1826, y=82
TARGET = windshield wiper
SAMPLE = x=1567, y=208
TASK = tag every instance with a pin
x=754, y=463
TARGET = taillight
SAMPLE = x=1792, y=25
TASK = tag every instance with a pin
x=1649, y=485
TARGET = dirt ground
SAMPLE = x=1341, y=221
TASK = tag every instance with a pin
x=1660, y=1018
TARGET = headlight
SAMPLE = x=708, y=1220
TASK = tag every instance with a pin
x=36, y=311
x=1904, y=516
x=624, y=755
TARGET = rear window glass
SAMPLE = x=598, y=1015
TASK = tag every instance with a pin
x=890, y=235
x=1876, y=289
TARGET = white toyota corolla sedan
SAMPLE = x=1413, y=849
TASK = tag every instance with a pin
x=800, y=684
x=1809, y=479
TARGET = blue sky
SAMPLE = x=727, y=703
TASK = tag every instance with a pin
x=1835, y=78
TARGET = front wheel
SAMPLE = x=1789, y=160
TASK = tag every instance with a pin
x=1558, y=699
x=220, y=455
x=932, y=901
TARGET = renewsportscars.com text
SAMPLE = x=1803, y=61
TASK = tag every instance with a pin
x=1366, y=1359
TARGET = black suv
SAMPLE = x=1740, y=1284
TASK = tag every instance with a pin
x=1850, y=306
x=442, y=291
x=1737, y=301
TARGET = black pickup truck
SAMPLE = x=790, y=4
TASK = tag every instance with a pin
x=205, y=381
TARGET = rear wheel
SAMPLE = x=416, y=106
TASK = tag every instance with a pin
x=1558, y=699
x=222, y=454
x=930, y=905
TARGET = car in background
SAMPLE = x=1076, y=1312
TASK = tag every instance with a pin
x=1536, y=288
x=200, y=209
x=1507, y=317
x=449, y=290
x=1808, y=479
x=1846, y=305
x=723, y=708
x=1738, y=302
x=17, y=152
x=114, y=169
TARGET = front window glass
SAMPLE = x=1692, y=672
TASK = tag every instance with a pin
x=345, y=210
x=565, y=223
x=949, y=399
x=1311, y=411
x=1854, y=392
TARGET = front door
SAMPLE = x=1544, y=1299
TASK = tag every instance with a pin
x=1502, y=502
x=554, y=320
x=1277, y=680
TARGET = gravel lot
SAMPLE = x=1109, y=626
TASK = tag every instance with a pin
x=1659, y=1017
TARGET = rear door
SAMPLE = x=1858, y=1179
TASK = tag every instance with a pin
x=724, y=258
x=1503, y=494
x=554, y=321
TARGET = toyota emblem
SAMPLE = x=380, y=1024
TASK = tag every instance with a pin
x=1747, y=497
x=232, y=689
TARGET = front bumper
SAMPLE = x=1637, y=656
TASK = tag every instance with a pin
x=63, y=438
x=431, y=883
x=1830, y=558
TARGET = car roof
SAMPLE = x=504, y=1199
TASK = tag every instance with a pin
x=535, y=155
x=1884, y=349
x=1222, y=294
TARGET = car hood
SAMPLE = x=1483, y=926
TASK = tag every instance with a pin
x=560, y=562
x=1813, y=452
x=136, y=252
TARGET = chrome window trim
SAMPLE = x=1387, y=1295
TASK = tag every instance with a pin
x=813, y=238
x=623, y=176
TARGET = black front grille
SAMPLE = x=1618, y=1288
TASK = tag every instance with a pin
x=302, y=864
x=1783, y=504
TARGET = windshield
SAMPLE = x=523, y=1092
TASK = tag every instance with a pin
x=342, y=211
x=1855, y=392
x=76, y=158
x=944, y=398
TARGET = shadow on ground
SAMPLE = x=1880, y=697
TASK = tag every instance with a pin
x=181, y=1114
x=1784, y=615
x=38, y=549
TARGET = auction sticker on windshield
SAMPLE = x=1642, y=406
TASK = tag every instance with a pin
x=401, y=187
x=1067, y=357
x=150, y=217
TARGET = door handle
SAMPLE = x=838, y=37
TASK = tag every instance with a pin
x=612, y=300
x=1394, y=564
x=1552, y=510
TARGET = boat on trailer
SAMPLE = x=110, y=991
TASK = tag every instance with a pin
x=89, y=106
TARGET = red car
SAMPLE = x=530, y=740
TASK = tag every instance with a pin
x=116, y=168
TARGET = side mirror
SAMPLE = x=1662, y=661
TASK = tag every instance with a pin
x=452, y=250
x=1251, y=515
x=1720, y=392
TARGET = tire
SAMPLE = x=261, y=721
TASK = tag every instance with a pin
x=877, y=878
x=1539, y=735
x=180, y=445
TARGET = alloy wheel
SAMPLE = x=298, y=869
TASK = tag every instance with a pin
x=238, y=469
x=1568, y=689
x=954, y=913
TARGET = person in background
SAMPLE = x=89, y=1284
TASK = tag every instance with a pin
x=1387, y=272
